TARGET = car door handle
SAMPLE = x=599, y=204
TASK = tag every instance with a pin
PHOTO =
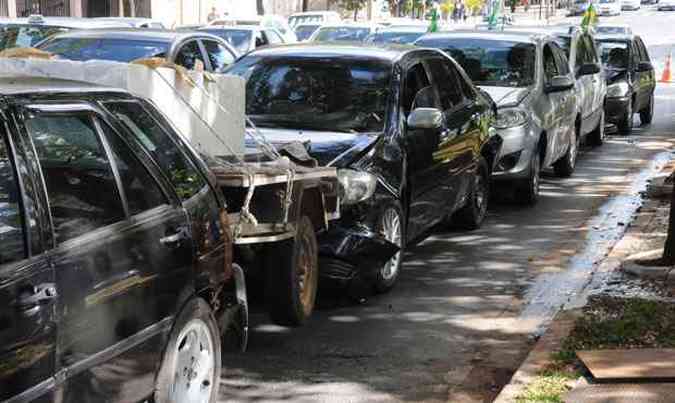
x=174, y=239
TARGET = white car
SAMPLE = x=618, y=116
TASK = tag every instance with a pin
x=314, y=17
x=344, y=33
x=268, y=21
x=609, y=7
x=666, y=5
x=630, y=5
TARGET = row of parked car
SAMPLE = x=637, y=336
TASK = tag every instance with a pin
x=111, y=280
x=616, y=7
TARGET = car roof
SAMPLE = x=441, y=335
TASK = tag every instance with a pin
x=351, y=25
x=65, y=22
x=313, y=13
x=383, y=52
x=615, y=37
x=404, y=28
x=231, y=28
x=131, y=34
x=512, y=36
x=22, y=85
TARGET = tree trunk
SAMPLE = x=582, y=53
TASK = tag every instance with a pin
x=669, y=247
x=260, y=7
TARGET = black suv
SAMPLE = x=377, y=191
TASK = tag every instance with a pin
x=630, y=80
x=116, y=254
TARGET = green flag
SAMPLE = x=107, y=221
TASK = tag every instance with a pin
x=433, y=27
x=494, y=15
x=590, y=17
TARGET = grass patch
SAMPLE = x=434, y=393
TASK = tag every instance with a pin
x=606, y=323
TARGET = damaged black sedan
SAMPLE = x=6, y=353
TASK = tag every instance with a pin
x=410, y=135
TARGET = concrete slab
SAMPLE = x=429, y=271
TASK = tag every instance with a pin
x=650, y=363
x=622, y=393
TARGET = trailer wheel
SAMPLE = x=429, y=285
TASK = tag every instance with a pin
x=292, y=273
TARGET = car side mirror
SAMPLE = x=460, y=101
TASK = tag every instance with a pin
x=644, y=66
x=425, y=119
x=559, y=83
x=588, y=69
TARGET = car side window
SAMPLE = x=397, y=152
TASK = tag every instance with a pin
x=580, y=57
x=273, y=37
x=219, y=56
x=81, y=187
x=635, y=54
x=550, y=67
x=591, y=54
x=180, y=171
x=562, y=63
x=141, y=191
x=644, y=54
x=447, y=83
x=190, y=56
x=11, y=222
x=416, y=80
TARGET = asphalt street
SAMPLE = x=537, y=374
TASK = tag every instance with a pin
x=464, y=311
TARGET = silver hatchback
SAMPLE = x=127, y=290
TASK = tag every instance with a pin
x=528, y=77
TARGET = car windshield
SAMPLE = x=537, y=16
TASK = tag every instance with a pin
x=304, y=19
x=347, y=95
x=240, y=39
x=342, y=34
x=565, y=43
x=395, y=37
x=614, y=54
x=118, y=50
x=25, y=36
x=490, y=62
x=607, y=1
x=610, y=30
x=303, y=32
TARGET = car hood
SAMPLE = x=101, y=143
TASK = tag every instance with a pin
x=338, y=149
x=506, y=96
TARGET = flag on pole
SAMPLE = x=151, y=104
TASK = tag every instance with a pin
x=494, y=14
x=590, y=17
x=433, y=26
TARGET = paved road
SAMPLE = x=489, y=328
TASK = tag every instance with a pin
x=459, y=321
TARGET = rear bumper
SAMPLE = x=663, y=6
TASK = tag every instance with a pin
x=350, y=251
x=616, y=108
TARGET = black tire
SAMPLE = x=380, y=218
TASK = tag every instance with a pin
x=597, y=137
x=471, y=216
x=196, y=311
x=387, y=276
x=564, y=167
x=527, y=191
x=292, y=273
x=625, y=125
x=647, y=113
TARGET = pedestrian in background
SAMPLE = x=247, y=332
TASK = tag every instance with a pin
x=213, y=15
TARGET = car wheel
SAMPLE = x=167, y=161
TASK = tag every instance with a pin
x=292, y=270
x=597, y=137
x=564, y=167
x=190, y=369
x=391, y=225
x=625, y=125
x=527, y=191
x=471, y=216
x=647, y=114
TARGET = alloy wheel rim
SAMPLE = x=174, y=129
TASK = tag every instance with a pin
x=479, y=195
x=536, y=176
x=194, y=365
x=602, y=126
x=305, y=275
x=573, y=150
x=391, y=231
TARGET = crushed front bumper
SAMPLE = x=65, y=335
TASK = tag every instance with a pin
x=616, y=109
x=518, y=144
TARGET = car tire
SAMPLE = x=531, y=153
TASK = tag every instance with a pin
x=527, y=192
x=597, y=137
x=647, y=114
x=390, y=224
x=193, y=348
x=564, y=167
x=625, y=125
x=472, y=215
x=292, y=274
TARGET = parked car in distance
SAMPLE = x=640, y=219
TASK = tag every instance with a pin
x=630, y=80
x=411, y=149
x=314, y=17
x=133, y=22
x=344, y=33
x=266, y=22
x=396, y=34
x=609, y=7
x=528, y=77
x=606, y=29
x=591, y=87
x=114, y=251
x=28, y=32
x=304, y=31
x=245, y=38
x=578, y=7
x=192, y=50
x=630, y=5
x=666, y=5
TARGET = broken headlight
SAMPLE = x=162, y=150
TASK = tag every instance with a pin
x=355, y=186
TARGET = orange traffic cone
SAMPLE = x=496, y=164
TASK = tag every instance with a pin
x=666, y=77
